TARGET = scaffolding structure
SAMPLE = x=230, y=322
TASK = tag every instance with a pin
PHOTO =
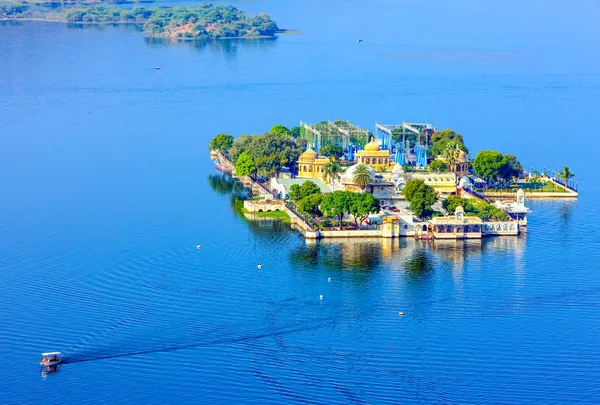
x=343, y=133
x=401, y=147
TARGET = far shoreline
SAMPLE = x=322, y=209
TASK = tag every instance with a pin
x=280, y=31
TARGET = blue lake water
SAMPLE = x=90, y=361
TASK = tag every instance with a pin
x=106, y=191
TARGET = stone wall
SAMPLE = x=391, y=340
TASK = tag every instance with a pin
x=264, y=205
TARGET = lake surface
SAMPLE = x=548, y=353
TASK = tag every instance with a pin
x=107, y=188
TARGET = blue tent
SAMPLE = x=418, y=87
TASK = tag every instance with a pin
x=400, y=158
x=421, y=156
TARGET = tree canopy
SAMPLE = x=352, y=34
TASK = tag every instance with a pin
x=271, y=152
x=279, y=129
x=330, y=151
x=221, y=142
x=310, y=204
x=308, y=188
x=494, y=165
x=361, y=205
x=362, y=176
x=245, y=166
x=474, y=206
x=438, y=166
x=420, y=196
x=566, y=174
x=336, y=204
x=331, y=172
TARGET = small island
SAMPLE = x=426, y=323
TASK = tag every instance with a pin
x=334, y=179
x=203, y=21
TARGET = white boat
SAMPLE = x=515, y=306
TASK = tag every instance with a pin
x=50, y=359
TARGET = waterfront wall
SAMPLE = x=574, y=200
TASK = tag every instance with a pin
x=530, y=195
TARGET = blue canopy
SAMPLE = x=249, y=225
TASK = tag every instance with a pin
x=400, y=158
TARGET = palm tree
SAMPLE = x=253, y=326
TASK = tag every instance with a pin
x=362, y=176
x=566, y=174
x=331, y=172
x=451, y=154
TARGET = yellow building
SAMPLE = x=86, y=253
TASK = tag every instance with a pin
x=444, y=183
x=373, y=156
x=310, y=165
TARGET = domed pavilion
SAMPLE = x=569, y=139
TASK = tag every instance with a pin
x=462, y=165
x=373, y=156
x=348, y=177
x=310, y=165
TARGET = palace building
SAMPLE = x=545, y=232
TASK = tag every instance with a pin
x=310, y=165
x=373, y=156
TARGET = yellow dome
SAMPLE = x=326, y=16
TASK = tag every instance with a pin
x=372, y=146
x=462, y=156
x=310, y=154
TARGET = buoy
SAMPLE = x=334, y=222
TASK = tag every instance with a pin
x=329, y=280
x=197, y=246
x=400, y=313
x=320, y=297
x=259, y=266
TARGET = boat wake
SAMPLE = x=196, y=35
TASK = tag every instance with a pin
x=205, y=342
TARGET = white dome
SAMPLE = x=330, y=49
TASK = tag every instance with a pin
x=398, y=169
x=464, y=181
x=351, y=169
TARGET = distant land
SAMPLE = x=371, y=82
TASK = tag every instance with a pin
x=202, y=21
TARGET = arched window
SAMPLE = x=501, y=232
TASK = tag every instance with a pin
x=367, y=161
x=310, y=169
x=379, y=161
x=385, y=161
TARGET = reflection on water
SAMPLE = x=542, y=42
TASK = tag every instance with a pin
x=226, y=184
x=104, y=27
x=420, y=265
x=228, y=47
x=418, y=259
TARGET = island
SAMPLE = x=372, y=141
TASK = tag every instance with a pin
x=203, y=21
x=335, y=179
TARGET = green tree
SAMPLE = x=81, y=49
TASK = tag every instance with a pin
x=310, y=205
x=438, y=166
x=440, y=140
x=221, y=142
x=245, y=166
x=240, y=145
x=336, y=204
x=308, y=188
x=451, y=152
x=566, y=174
x=330, y=151
x=361, y=205
x=488, y=164
x=279, y=129
x=295, y=132
x=331, y=172
x=271, y=152
x=420, y=196
x=511, y=168
x=362, y=176
x=494, y=165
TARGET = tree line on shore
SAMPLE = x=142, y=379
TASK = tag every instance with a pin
x=205, y=20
